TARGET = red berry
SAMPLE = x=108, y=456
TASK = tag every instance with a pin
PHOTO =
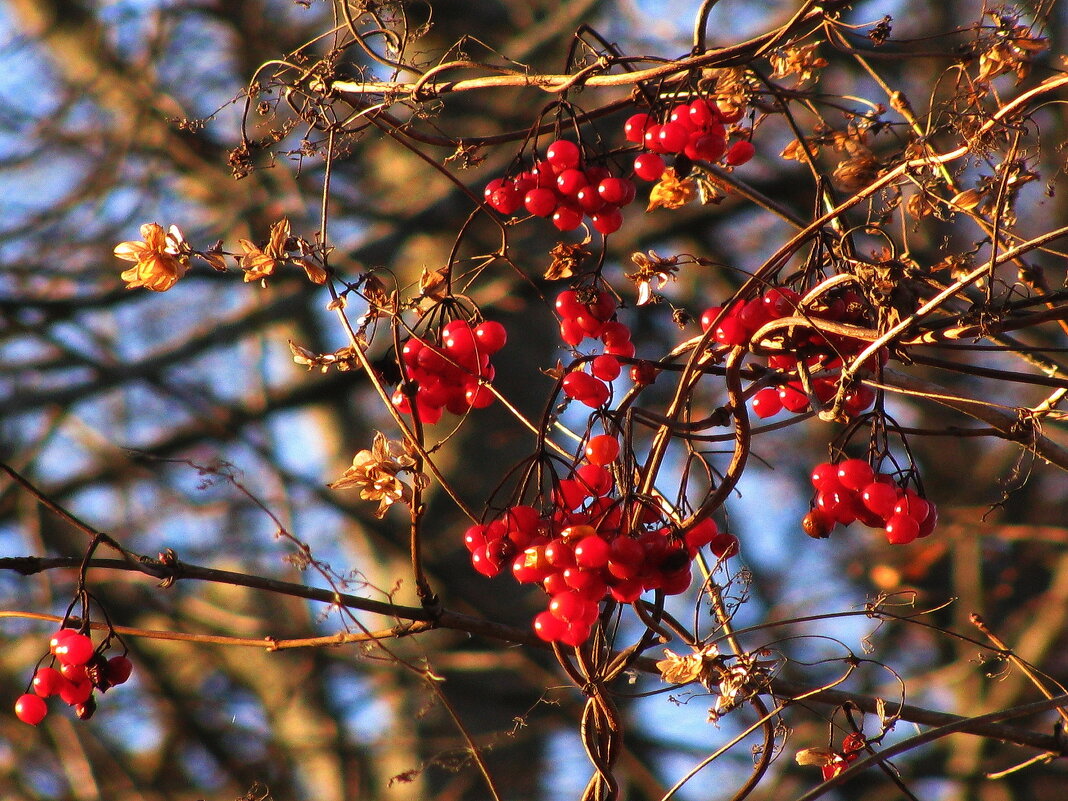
x=731, y=332
x=644, y=373
x=606, y=367
x=702, y=114
x=506, y=200
x=634, y=128
x=30, y=709
x=673, y=137
x=704, y=147
x=490, y=336
x=766, y=403
x=607, y=221
x=47, y=681
x=709, y=316
x=74, y=693
x=563, y=154
x=571, y=332
x=596, y=479
x=793, y=399
x=589, y=200
x=571, y=181
x=75, y=649
x=901, y=529
x=118, y=670
x=549, y=627
x=602, y=449
x=879, y=498
x=740, y=152
x=540, y=202
x=649, y=166
x=855, y=474
x=592, y=552
x=567, y=218
x=617, y=191
x=928, y=525
x=701, y=534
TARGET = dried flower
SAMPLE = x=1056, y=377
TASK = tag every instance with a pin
x=1011, y=51
x=800, y=61
x=376, y=472
x=259, y=263
x=671, y=192
x=652, y=269
x=566, y=259
x=161, y=258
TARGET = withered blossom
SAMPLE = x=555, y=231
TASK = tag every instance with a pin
x=375, y=472
x=800, y=61
x=160, y=259
x=652, y=269
x=671, y=192
x=259, y=263
x=566, y=259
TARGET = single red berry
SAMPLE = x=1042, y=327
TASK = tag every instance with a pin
x=704, y=147
x=571, y=181
x=606, y=367
x=602, y=449
x=119, y=669
x=490, y=336
x=607, y=221
x=76, y=693
x=75, y=649
x=563, y=155
x=701, y=534
x=928, y=525
x=724, y=545
x=506, y=200
x=766, y=403
x=673, y=137
x=879, y=498
x=731, y=332
x=577, y=633
x=47, y=681
x=549, y=627
x=649, y=166
x=644, y=373
x=793, y=399
x=702, y=113
x=540, y=202
x=592, y=552
x=634, y=128
x=901, y=529
x=617, y=191
x=709, y=315
x=740, y=152
x=589, y=200
x=30, y=709
x=855, y=474
x=567, y=218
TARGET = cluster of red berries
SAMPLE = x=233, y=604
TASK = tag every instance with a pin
x=451, y=375
x=82, y=669
x=564, y=190
x=589, y=547
x=851, y=490
x=818, y=351
x=587, y=314
x=697, y=130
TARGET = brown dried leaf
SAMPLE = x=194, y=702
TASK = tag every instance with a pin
x=801, y=61
x=816, y=756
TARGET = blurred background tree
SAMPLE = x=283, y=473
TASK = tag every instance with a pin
x=179, y=422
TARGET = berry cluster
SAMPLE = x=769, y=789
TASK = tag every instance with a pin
x=587, y=314
x=851, y=490
x=82, y=669
x=696, y=130
x=450, y=375
x=817, y=350
x=564, y=190
x=590, y=546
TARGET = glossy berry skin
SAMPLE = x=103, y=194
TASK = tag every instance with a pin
x=602, y=449
x=740, y=153
x=74, y=649
x=563, y=155
x=635, y=126
x=30, y=709
x=901, y=529
x=47, y=681
x=649, y=166
x=119, y=669
x=855, y=474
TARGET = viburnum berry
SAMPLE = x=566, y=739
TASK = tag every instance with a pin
x=563, y=154
x=644, y=373
x=30, y=709
x=118, y=670
x=855, y=474
x=649, y=166
x=766, y=403
x=739, y=153
x=74, y=649
x=47, y=681
x=635, y=126
x=602, y=449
